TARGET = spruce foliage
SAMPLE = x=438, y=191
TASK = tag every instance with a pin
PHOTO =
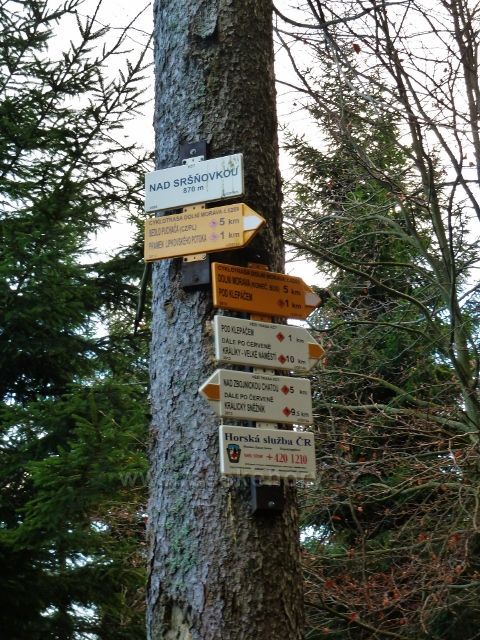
x=389, y=549
x=72, y=377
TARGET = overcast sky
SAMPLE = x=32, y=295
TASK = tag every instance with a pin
x=117, y=14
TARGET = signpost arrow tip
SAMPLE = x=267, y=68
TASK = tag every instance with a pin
x=311, y=299
x=210, y=391
x=252, y=222
x=315, y=351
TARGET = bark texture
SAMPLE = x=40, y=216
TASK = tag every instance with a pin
x=216, y=572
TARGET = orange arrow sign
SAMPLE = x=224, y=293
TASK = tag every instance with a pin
x=264, y=292
x=200, y=231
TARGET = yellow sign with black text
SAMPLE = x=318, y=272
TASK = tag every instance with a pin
x=200, y=231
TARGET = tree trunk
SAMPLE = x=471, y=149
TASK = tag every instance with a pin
x=216, y=571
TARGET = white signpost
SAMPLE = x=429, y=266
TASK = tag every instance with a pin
x=269, y=453
x=266, y=345
x=252, y=396
x=203, y=181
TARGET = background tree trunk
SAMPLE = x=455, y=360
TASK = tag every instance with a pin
x=216, y=572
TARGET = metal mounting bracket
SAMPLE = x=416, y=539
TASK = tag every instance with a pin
x=266, y=498
x=193, y=151
x=195, y=268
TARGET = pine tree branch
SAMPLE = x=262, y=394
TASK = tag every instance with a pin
x=383, y=408
x=329, y=257
x=403, y=395
x=354, y=620
x=329, y=23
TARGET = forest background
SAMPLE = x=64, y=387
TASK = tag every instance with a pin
x=383, y=200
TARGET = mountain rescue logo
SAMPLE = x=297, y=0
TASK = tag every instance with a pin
x=233, y=453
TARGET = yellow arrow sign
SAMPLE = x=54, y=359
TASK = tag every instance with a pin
x=259, y=291
x=200, y=231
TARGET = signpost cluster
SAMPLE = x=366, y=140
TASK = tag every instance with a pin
x=265, y=394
